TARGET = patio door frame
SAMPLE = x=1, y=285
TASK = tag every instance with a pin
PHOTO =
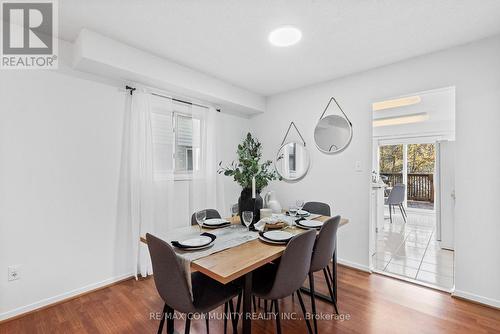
x=405, y=141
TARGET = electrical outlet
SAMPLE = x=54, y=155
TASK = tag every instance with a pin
x=14, y=272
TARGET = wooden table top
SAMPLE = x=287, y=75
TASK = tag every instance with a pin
x=227, y=265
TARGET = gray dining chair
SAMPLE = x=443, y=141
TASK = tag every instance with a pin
x=397, y=197
x=211, y=214
x=275, y=281
x=171, y=284
x=321, y=257
x=317, y=208
x=324, y=210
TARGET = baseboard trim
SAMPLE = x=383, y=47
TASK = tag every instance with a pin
x=354, y=265
x=470, y=297
x=61, y=298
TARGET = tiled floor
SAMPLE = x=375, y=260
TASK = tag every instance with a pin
x=410, y=250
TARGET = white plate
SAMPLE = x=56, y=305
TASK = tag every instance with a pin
x=196, y=248
x=272, y=242
x=200, y=241
x=311, y=223
x=214, y=227
x=215, y=222
x=278, y=235
x=303, y=213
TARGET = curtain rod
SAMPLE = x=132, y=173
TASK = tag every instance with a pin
x=132, y=89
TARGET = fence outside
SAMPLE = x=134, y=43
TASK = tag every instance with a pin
x=420, y=186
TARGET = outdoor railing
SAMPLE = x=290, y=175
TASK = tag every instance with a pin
x=420, y=186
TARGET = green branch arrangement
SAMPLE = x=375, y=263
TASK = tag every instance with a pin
x=248, y=165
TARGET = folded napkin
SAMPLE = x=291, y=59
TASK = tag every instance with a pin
x=177, y=244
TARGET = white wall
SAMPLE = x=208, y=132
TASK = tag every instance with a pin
x=95, y=53
x=60, y=151
x=474, y=70
x=331, y=178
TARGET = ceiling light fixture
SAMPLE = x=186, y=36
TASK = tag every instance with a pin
x=285, y=36
x=398, y=120
x=396, y=103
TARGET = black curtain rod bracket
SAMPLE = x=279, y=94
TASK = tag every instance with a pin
x=131, y=89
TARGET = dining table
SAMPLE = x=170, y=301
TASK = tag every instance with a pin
x=240, y=261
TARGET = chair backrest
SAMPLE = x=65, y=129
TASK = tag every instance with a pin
x=294, y=265
x=169, y=279
x=325, y=244
x=397, y=194
x=318, y=208
x=211, y=213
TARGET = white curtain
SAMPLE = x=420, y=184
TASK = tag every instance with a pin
x=207, y=191
x=154, y=197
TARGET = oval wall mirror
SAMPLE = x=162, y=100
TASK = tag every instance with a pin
x=292, y=161
x=333, y=133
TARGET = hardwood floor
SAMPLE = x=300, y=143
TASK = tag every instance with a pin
x=374, y=304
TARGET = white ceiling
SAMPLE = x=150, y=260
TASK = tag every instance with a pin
x=228, y=38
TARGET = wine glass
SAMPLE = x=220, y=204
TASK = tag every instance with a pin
x=292, y=209
x=247, y=218
x=300, y=204
x=200, y=218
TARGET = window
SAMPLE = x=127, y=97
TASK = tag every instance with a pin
x=176, y=138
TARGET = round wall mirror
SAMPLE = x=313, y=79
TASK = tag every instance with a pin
x=292, y=161
x=333, y=133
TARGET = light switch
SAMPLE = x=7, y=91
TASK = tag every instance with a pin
x=357, y=166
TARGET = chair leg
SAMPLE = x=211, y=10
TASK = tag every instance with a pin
x=207, y=324
x=332, y=280
x=404, y=210
x=234, y=317
x=187, y=328
x=265, y=305
x=237, y=313
x=162, y=321
x=402, y=214
x=238, y=302
x=278, y=317
x=313, y=302
x=390, y=213
x=170, y=320
x=226, y=306
x=254, y=301
x=301, y=302
x=330, y=290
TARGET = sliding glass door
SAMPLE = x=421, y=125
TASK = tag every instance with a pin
x=421, y=161
x=391, y=164
x=412, y=164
